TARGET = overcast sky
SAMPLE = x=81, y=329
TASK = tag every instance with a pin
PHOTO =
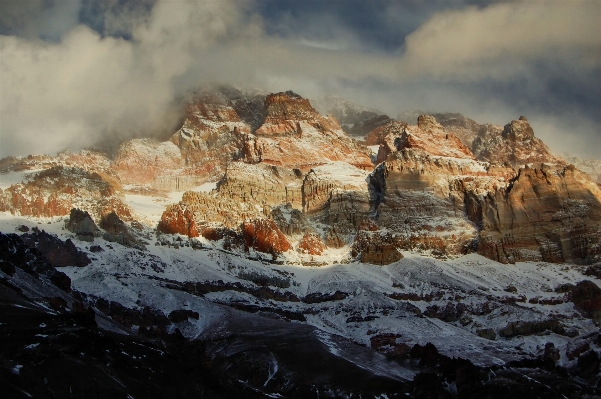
x=73, y=72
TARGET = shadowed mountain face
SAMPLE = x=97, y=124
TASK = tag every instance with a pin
x=69, y=344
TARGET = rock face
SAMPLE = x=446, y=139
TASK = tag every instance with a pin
x=212, y=135
x=375, y=247
x=465, y=129
x=377, y=135
x=551, y=214
x=428, y=136
x=294, y=135
x=587, y=298
x=420, y=198
x=57, y=252
x=432, y=194
x=141, y=161
x=178, y=219
x=311, y=244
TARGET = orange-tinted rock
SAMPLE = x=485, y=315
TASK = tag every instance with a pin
x=311, y=244
x=377, y=135
x=178, y=219
x=368, y=225
x=55, y=191
x=263, y=235
x=432, y=138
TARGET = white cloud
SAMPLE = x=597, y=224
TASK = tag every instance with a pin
x=501, y=40
x=74, y=92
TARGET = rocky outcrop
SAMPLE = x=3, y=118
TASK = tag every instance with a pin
x=178, y=219
x=263, y=235
x=587, y=298
x=451, y=204
x=86, y=159
x=55, y=191
x=515, y=143
x=140, y=161
x=531, y=327
x=290, y=221
x=377, y=135
x=117, y=231
x=212, y=136
x=421, y=199
x=263, y=184
x=311, y=244
x=464, y=128
x=431, y=137
x=337, y=195
x=294, y=135
x=58, y=253
x=82, y=225
x=376, y=247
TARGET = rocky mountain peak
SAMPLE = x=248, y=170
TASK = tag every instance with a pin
x=513, y=144
x=288, y=106
x=426, y=122
x=518, y=130
x=428, y=135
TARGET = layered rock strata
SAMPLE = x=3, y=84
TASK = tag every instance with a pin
x=295, y=135
x=552, y=213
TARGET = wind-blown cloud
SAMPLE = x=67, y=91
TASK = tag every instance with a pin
x=76, y=91
x=492, y=61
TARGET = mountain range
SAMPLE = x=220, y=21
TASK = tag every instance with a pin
x=275, y=246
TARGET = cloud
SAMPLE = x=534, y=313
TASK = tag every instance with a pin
x=120, y=71
x=85, y=87
x=38, y=18
x=503, y=41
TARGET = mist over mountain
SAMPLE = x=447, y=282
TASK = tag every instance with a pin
x=75, y=72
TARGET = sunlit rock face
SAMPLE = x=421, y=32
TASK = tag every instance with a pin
x=552, y=213
x=141, y=161
x=55, y=191
x=431, y=191
x=212, y=134
x=178, y=219
x=295, y=135
x=263, y=235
